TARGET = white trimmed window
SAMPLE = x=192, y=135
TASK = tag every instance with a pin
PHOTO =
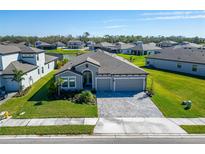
x=69, y=82
x=72, y=82
x=65, y=82
x=194, y=68
x=179, y=65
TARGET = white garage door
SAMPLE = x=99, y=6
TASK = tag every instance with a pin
x=129, y=85
x=103, y=84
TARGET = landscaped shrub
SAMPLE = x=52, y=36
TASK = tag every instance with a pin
x=60, y=63
x=85, y=97
x=23, y=92
x=64, y=61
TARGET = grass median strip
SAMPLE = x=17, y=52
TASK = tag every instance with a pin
x=47, y=130
x=194, y=129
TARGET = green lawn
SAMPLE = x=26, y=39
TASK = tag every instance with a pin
x=48, y=108
x=194, y=129
x=47, y=130
x=137, y=60
x=172, y=88
x=70, y=52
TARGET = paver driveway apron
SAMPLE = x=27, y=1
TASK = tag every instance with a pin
x=131, y=113
x=126, y=104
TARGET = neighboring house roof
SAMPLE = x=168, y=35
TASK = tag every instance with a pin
x=106, y=44
x=152, y=43
x=7, y=49
x=189, y=45
x=146, y=47
x=25, y=67
x=182, y=55
x=168, y=42
x=18, y=48
x=119, y=43
x=42, y=44
x=59, y=44
x=49, y=58
x=108, y=64
x=75, y=41
x=126, y=46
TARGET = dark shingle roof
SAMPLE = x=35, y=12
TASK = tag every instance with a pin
x=181, y=54
x=25, y=67
x=59, y=44
x=49, y=58
x=126, y=46
x=18, y=48
x=109, y=64
x=146, y=47
x=7, y=49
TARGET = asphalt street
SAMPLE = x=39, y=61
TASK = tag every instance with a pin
x=103, y=141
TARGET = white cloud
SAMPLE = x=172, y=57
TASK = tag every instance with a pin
x=165, y=13
x=200, y=16
x=115, y=26
x=113, y=20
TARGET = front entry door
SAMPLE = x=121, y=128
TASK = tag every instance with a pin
x=87, y=79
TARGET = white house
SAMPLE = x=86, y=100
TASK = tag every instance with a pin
x=190, y=61
x=32, y=61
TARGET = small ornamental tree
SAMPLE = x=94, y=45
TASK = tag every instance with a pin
x=58, y=84
x=18, y=77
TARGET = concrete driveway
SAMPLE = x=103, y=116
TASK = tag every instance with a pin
x=126, y=104
x=137, y=126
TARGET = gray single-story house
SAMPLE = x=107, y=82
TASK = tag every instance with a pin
x=145, y=49
x=75, y=44
x=190, y=61
x=44, y=45
x=167, y=43
x=106, y=46
x=59, y=44
x=102, y=71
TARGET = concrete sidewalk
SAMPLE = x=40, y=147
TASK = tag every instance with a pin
x=137, y=126
x=115, y=125
x=48, y=122
x=188, y=121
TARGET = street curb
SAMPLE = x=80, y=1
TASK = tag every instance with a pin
x=147, y=136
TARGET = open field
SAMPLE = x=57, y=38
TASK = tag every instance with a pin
x=47, y=108
x=171, y=89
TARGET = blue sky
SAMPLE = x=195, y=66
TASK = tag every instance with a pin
x=98, y=23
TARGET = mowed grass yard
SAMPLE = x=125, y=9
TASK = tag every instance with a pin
x=172, y=88
x=49, y=108
x=194, y=129
x=47, y=130
x=68, y=52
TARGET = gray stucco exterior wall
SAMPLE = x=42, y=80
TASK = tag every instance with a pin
x=79, y=84
x=89, y=67
x=172, y=66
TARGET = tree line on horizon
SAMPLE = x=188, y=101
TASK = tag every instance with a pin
x=106, y=38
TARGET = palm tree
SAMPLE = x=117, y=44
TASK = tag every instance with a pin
x=18, y=77
x=58, y=83
x=86, y=34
